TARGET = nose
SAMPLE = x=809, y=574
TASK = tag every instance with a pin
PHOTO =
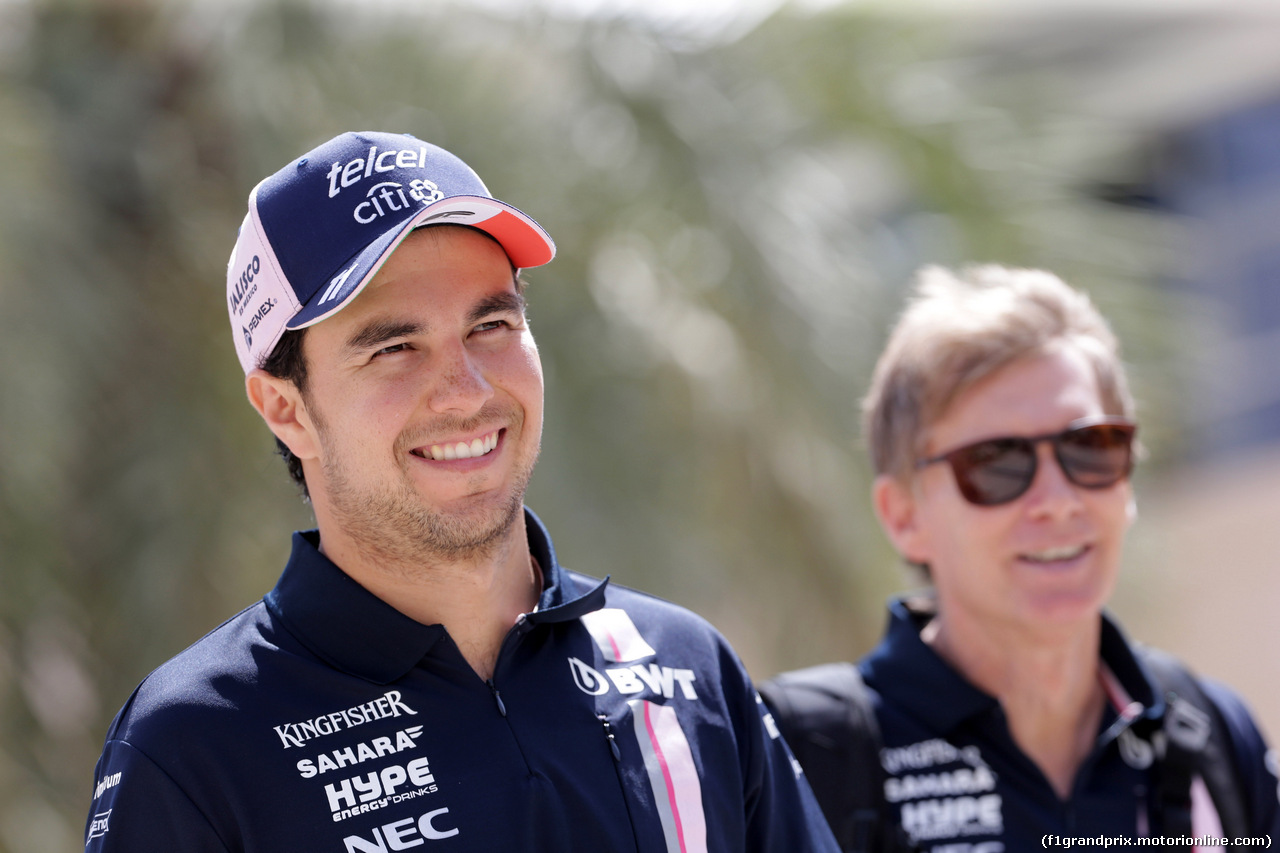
x=459, y=385
x=1051, y=495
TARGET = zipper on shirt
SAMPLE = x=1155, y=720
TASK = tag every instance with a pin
x=608, y=733
x=497, y=697
x=635, y=818
x=521, y=627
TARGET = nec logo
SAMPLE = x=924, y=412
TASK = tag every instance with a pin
x=402, y=834
x=629, y=680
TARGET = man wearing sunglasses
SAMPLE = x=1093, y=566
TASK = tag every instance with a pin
x=1005, y=711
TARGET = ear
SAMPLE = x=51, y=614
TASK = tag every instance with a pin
x=899, y=513
x=285, y=412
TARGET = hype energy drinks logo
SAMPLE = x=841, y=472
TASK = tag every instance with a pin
x=386, y=196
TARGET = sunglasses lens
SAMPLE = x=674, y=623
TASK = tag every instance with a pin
x=1096, y=456
x=994, y=472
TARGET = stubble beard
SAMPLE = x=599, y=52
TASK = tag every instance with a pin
x=393, y=524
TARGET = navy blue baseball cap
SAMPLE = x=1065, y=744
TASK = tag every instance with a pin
x=320, y=228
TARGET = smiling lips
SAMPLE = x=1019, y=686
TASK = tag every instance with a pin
x=460, y=450
x=1055, y=555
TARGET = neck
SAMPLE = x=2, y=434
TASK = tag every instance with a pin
x=477, y=599
x=1047, y=684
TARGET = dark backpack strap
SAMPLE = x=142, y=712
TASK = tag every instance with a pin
x=827, y=719
x=1196, y=743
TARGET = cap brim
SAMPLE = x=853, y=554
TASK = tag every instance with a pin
x=524, y=241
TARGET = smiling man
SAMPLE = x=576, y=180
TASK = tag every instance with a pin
x=425, y=674
x=1005, y=709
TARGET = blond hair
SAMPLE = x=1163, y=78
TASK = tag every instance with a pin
x=958, y=328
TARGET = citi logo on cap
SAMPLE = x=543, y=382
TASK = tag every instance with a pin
x=308, y=257
x=382, y=199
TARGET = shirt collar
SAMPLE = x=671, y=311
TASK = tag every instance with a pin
x=936, y=694
x=353, y=630
x=943, y=699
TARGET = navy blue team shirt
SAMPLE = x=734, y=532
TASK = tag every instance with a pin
x=958, y=782
x=323, y=720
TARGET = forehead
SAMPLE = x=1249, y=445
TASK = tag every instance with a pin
x=437, y=265
x=1032, y=395
x=438, y=277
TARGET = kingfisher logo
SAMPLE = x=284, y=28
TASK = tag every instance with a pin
x=630, y=680
x=389, y=704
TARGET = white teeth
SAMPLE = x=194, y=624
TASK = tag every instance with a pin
x=465, y=450
x=1052, y=555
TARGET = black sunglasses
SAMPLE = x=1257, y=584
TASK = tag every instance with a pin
x=1093, y=452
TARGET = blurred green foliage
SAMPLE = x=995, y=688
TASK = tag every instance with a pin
x=736, y=221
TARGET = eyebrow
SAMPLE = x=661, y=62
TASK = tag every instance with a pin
x=381, y=331
x=496, y=304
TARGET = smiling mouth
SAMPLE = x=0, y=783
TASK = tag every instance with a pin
x=1055, y=555
x=460, y=450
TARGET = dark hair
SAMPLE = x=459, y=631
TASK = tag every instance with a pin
x=288, y=362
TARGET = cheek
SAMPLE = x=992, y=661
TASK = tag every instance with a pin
x=361, y=412
x=1117, y=509
x=519, y=371
x=964, y=536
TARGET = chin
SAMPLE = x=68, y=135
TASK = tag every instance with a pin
x=1062, y=609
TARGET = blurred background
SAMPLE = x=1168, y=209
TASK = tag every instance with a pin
x=740, y=193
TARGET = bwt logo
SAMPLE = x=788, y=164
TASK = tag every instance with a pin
x=98, y=827
x=401, y=834
x=629, y=680
x=381, y=199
